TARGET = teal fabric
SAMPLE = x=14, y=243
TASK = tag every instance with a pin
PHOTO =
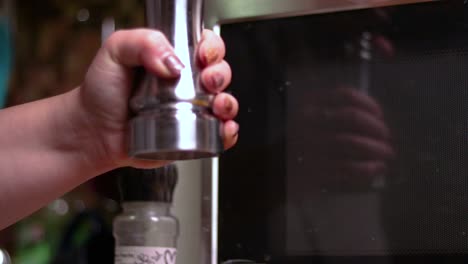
x=5, y=59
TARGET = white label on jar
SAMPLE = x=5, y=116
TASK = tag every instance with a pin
x=145, y=255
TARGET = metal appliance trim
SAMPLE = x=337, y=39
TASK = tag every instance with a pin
x=209, y=211
x=214, y=211
x=218, y=12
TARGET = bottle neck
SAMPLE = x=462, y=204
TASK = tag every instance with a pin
x=150, y=207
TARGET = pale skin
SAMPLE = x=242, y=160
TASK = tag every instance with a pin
x=51, y=146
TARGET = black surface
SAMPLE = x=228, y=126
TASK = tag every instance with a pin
x=421, y=86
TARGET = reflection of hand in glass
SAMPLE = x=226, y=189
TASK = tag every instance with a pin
x=347, y=138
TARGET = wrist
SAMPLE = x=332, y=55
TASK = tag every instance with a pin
x=82, y=135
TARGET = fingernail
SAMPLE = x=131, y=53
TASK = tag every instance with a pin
x=228, y=105
x=210, y=55
x=217, y=80
x=173, y=64
x=236, y=131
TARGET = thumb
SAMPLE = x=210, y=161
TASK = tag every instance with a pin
x=143, y=47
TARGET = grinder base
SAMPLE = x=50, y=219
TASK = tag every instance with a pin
x=181, y=134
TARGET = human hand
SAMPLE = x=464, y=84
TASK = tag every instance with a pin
x=349, y=142
x=105, y=92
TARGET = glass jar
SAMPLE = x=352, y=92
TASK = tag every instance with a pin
x=146, y=231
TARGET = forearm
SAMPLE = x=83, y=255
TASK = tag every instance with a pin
x=43, y=154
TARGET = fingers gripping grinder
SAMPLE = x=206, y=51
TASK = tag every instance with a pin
x=172, y=117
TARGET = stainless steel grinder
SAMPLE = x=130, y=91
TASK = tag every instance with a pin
x=172, y=118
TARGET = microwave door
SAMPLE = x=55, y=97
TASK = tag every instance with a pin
x=354, y=140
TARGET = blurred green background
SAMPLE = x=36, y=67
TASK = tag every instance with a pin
x=46, y=47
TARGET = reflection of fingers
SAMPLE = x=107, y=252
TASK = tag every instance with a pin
x=230, y=132
x=347, y=167
x=364, y=169
x=217, y=77
x=348, y=174
x=352, y=147
x=351, y=120
x=353, y=97
x=357, y=146
x=384, y=45
x=343, y=97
